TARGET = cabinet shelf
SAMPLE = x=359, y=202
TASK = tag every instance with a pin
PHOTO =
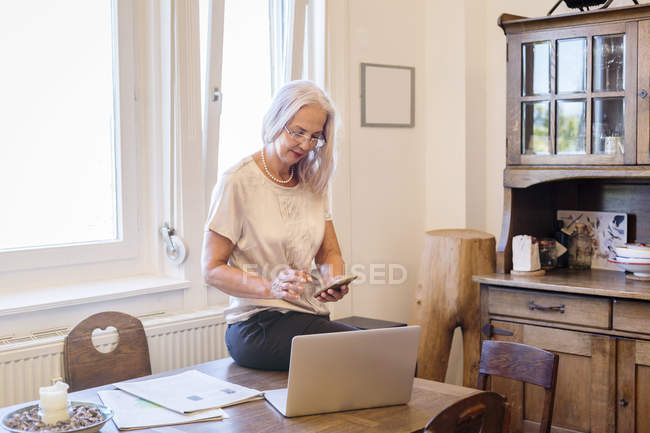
x=528, y=175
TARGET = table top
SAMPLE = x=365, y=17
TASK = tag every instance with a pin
x=595, y=282
x=428, y=399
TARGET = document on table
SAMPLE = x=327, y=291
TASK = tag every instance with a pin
x=132, y=413
x=190, y=391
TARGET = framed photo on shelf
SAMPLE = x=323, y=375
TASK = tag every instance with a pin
x=387, y=95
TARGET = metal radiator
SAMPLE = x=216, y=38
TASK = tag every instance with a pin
x=174, y=342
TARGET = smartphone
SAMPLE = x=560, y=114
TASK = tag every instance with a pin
x=336, y=285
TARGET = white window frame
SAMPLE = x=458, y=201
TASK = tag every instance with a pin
x=213, y=97
x=125, y=248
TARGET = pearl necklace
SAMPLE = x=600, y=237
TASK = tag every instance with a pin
x=268, y=173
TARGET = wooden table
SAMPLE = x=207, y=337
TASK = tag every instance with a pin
x=428, y=399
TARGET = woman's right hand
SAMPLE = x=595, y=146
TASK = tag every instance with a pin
x=289, y=284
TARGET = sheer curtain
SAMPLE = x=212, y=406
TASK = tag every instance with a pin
x=287, y=37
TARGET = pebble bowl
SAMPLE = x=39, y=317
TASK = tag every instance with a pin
x=105, y=411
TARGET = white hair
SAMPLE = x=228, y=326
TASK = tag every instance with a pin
x=316, y=169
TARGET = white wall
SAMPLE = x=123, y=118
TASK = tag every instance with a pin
x=379, y=205
x=445, y=99
x=393, y=184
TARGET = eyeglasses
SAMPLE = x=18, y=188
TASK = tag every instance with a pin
x=316, y=142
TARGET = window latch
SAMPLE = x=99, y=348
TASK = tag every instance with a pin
x=167, y=233
x=216, y=95
x=175, y=247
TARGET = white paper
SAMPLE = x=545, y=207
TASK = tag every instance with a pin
x=131, y=412
x=190, y=391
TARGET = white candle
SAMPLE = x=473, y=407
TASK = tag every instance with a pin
x=54, y=403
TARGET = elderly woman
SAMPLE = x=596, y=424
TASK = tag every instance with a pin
x=269, y=223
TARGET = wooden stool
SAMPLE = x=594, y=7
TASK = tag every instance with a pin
x=446, y=298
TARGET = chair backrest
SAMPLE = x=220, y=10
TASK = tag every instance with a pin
x=86, y=367
x=479, y=413
x=524, y=363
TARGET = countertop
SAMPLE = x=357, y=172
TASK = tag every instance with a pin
x=595, y=282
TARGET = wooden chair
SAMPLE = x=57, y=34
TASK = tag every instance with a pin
x=524, y=363
x=478, y=413
x=86, y=367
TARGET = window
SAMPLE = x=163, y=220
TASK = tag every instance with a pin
x=100, y=137
x=246, y=79
x=65, y=133
x=264, y=44
x=95, y=80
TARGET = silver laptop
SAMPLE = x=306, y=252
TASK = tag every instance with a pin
x=348, y=370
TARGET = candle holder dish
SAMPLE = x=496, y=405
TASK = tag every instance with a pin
x=106, y=412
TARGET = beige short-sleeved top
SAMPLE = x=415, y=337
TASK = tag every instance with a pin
x=272, y=227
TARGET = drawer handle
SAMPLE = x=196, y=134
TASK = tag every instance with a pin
x=533, y=306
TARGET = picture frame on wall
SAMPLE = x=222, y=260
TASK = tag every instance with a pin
x=387, y=95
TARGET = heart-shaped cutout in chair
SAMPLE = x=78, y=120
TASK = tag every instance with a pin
x=86, y=367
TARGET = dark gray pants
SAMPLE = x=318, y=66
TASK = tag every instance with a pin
x=264, y=340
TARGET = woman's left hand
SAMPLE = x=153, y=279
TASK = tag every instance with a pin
x=333, y=295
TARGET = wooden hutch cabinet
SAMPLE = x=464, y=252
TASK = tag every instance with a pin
x=577, y=88
x=577, y=138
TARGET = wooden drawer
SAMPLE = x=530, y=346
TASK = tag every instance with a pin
x=633, y=316
x=534, y=305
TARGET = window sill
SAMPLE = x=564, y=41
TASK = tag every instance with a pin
x=45, y=298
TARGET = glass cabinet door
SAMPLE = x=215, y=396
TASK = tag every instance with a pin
x=571, y=92
x=536, y=136
x=608, y=125
x=570, y=118
x=608, y=113
x=572, y=65
x=536, y=68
